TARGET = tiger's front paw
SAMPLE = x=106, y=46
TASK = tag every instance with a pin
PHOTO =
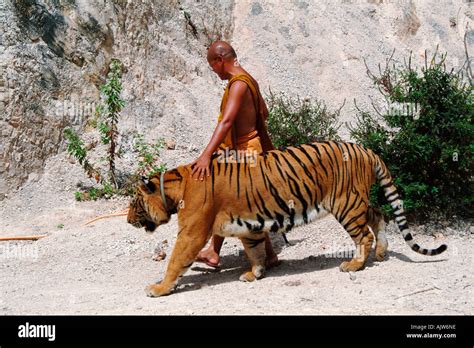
x=350, y=266
x=156, y=290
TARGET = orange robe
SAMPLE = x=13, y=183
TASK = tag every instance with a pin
x=257, y=140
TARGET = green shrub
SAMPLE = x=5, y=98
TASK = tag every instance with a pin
x=78, y=196
x=148, y=156
x=428, y=144
x=108, y=113
x=106, y=121
x=295, y=121
x=75, y=148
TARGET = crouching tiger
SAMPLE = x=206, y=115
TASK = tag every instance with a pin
x=278, y=191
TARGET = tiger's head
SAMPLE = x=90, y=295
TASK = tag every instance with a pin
x=147, y=208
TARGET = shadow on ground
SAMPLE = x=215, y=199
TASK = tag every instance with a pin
x=233, y=266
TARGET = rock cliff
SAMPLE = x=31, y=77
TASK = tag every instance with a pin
x=55, y=54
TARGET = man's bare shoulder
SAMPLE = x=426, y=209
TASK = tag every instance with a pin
x=238, y=87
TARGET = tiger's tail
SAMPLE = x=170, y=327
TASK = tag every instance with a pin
x=393, y=198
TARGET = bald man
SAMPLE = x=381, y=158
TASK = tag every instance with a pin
x=241, y=126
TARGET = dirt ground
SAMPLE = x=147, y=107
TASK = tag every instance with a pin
x=103, y=268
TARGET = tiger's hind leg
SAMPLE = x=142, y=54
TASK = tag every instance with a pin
x=255, y=250
x=363, y=240
x=377, y=224
x=356, y=225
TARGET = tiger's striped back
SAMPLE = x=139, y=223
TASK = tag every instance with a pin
x=293, y=187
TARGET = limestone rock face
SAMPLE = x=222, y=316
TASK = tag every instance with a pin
x=317, y=48
x=54, y=55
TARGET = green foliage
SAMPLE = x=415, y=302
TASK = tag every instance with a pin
x=110, y=110
x=104, y=130
x=94, y=193
x=148, y=165
x=108, y=190
x=78, y=196
x=112, y=89
x=295, y=121
x=428, y=148
x=148, y=156
x=75, y=148
x=94, y=120
x=108, y=113
x=105, y=120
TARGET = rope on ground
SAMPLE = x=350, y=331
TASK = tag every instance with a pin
x=2, y=239
x=418, y=292
x=119, y=213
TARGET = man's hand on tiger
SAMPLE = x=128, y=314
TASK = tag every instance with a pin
x=201, y=167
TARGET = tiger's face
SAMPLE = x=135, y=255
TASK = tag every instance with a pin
x=147, y=209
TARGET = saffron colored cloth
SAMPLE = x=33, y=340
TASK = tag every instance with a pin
x=250, y=142
x=259, y=135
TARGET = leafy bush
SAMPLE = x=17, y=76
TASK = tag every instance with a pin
x=94, y=193
x=106, y=121
x=427, y=143
x=295, y=121
x=148, y=156
x=75, y=148
x=110, y=110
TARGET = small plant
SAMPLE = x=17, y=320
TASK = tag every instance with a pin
x=79, y=196
x=110, y=111
x=93, y=194
x=428, y=147
x=60, y=226
x=108, y=114
x=106, y=120
x=108, y=190
x=148, y=156
x=295, y=121
x=75, y=148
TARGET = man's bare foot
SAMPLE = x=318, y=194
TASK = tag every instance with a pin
x=209, y=257
x=272, y=261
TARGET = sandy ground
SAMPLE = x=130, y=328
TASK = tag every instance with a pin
x=103, y=268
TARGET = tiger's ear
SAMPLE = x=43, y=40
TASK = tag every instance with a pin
x=147, y=185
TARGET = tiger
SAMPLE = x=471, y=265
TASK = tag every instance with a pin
x=277, y=191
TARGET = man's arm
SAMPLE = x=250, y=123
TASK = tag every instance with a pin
x=236, y=95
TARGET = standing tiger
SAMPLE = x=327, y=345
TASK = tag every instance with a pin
x=273, y=193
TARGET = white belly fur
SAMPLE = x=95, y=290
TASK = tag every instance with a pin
x=235, y=230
